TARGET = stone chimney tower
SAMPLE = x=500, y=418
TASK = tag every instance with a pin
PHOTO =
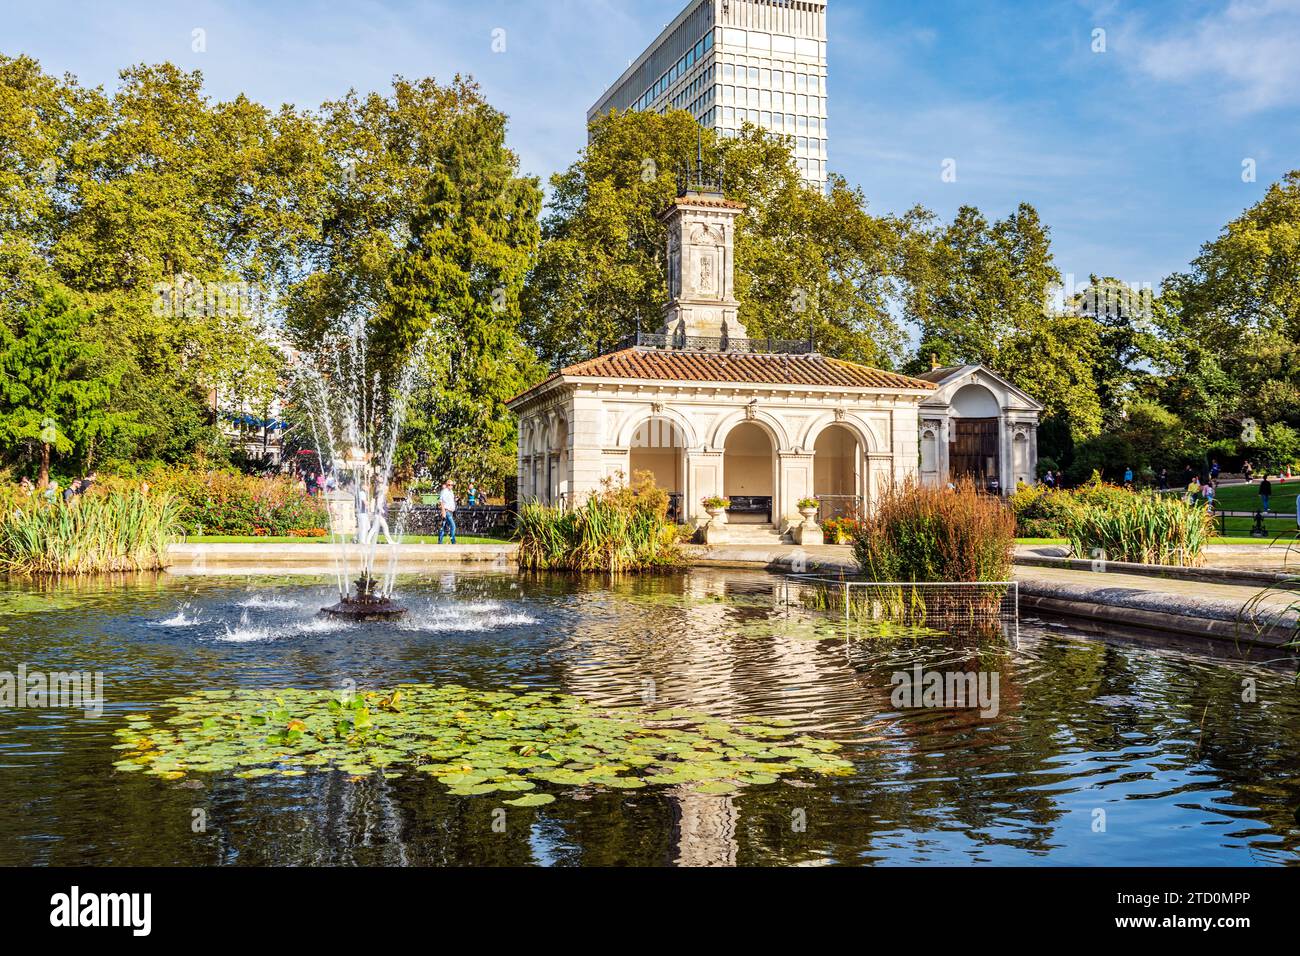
x=701, y=261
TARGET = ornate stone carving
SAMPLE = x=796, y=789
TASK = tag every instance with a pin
x=841, y=414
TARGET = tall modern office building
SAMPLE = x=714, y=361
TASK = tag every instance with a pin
x=731, y=61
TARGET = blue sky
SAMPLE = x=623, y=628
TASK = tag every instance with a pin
x=1133, y=155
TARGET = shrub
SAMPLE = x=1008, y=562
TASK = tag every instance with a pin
x=1041, y=512
x=228, y=503
x=620, y=529
x=934, y=534
x=1142, y=527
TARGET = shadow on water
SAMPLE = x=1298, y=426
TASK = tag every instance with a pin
x=1105, y=749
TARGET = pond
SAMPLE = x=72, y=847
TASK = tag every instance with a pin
x=1102, y=751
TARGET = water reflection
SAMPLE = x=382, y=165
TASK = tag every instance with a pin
x=1164, y=747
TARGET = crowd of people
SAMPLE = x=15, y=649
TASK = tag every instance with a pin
x=53, y=492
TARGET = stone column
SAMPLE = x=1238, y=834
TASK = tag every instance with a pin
x=880, y=477
x=703, y=480
x=795, y=469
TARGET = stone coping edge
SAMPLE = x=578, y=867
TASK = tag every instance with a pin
x=1206, y=575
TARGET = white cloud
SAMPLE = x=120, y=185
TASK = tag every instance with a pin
x=1250, y=50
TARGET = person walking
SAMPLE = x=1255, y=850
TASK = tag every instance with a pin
x=1207, y=492
x=1128, y=478
x=70, y=493
x=1049, y=479
x=1248, y=471
x=1265, y=494
x=1214, y=471
x=447, y=504
x=1164, y=479
x=1193, y=489
x=471, y=496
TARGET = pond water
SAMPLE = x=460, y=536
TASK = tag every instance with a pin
x=1104, y=751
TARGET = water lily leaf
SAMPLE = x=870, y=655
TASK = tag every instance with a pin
x=532, y=800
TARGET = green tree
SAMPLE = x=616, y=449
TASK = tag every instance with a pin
x=456, y=287
x=52, y=401
x=116, y=195
x=1234, y=318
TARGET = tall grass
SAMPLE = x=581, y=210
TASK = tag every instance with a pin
x=937, y=534
x=1142, y=527
x=116, y=531
x=618, y=530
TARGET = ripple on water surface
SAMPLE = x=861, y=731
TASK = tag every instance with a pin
x=1158, y=741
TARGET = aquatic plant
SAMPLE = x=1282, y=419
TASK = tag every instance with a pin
x=472, y=741
x=116, y=531
x=936, y=534
x=1142, y=527
x=620, y=529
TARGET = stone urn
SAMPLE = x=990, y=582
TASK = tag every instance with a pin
x=808, y=532
x=715, y=531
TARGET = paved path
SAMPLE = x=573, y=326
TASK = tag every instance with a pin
x=1246, y=613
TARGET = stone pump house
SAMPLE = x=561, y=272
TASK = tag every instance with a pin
x=711, y=412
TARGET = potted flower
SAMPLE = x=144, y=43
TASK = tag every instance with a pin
x=808, y=507
x=715, y=505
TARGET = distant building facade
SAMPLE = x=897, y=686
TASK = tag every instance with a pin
x=977, y=425
x=728, y=62
x=711, y=412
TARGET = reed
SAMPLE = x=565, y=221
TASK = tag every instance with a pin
x=96, y=533
x=619, y=530
x=1141, y=527
x=936, y=534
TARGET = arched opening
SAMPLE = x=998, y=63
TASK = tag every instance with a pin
x=558, y=462
x=837, y=473
x=973, y=445
x=659, y=448
x=748, y=466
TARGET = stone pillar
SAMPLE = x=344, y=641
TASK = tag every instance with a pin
x=880, y=478
x=795, y=470
x=588, y=463
x=703, y=480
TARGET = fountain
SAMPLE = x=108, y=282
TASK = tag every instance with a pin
x=355, y=419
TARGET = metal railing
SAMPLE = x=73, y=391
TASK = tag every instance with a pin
x=838, y=506
x=703, y=343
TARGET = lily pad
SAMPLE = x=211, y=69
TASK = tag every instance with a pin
x=474, y=742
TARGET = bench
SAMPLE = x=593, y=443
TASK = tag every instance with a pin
x=750, y=505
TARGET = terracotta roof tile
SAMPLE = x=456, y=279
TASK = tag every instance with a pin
x=735, y=367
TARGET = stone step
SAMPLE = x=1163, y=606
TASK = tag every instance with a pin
x=741, y=534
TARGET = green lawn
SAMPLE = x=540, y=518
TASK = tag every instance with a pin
x=407, y=539
x=1232, y=538
x=1246, y=497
